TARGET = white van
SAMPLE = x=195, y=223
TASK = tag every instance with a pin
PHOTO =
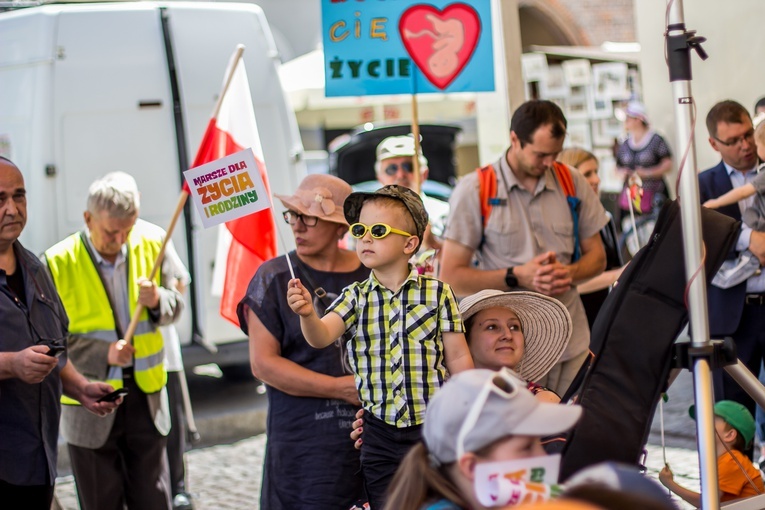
x=87, y=89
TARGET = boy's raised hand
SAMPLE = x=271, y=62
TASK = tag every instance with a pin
x=299, y=298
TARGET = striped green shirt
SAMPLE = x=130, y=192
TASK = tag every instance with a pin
x=396, y=344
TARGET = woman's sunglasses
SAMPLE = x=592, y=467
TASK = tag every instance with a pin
x=378, y=230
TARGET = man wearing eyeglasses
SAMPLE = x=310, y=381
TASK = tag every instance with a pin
x=395, y=165
x=738, y=311
x=34, y=369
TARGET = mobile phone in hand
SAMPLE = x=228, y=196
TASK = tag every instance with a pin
x=56, y=350
x=111, y=397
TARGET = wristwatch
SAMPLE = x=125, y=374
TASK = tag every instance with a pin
x=510, y=279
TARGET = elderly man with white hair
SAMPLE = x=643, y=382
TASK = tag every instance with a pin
x=101, y=274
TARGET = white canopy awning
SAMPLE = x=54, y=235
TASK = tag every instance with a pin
x=303, y=81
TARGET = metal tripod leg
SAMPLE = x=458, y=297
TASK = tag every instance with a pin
x=748, y=382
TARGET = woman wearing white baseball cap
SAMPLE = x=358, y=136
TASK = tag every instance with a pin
x=481, y=426
x=646, y=154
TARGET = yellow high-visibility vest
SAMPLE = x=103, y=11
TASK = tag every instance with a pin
x=87, y=305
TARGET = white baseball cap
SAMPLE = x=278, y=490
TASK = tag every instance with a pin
x=478, y=407
x=398, y=146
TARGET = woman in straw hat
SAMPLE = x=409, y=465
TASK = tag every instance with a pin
x=312, y=397
x=524, y=331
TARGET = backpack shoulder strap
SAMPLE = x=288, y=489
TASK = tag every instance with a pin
x=563, y=174
x=487, y=190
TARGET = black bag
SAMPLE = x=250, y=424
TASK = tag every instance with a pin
x=632, y=340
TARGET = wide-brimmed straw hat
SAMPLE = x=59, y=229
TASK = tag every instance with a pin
x=319, y=195
x=545, y=322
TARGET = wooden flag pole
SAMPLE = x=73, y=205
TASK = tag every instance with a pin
x=417, y=149
x=157, y=264
x=229, y=76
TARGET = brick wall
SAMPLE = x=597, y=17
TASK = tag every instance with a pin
x=600, y=20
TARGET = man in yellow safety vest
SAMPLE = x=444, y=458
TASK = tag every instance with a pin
x=101, y=274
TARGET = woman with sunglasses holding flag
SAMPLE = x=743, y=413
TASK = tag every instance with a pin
x=312, y=397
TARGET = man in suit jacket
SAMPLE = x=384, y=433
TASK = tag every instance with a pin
x=101, y=274
x=738, y=311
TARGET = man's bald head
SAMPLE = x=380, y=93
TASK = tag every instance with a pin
x=13, y=203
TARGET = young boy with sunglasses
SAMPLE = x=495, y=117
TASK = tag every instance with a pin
x=406, y=332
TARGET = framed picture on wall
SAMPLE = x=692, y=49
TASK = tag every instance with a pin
x=579, y=135
x=577, y=72
x=554, y=83
x=610, y=80
x=610, y=180
x=600, y=107
x=606, y=131
x=534, y=66
x=576, y=106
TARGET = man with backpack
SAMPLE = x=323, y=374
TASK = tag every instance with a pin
x=528, y=222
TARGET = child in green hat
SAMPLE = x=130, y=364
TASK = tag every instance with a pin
x=736, y=475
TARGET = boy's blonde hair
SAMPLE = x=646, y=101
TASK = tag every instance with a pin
x=759, y=132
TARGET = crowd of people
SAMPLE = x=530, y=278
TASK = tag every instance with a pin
x=386, y=384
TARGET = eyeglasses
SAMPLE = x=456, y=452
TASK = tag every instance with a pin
x=502, y=384
x=378, y=230
x=749, y=136
x=392, y=169
x=292, y=218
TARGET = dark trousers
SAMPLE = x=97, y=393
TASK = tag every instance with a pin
x=25, y=497
x=176, y=440
x=384, y=447
x=750, y=344
x=130, y=468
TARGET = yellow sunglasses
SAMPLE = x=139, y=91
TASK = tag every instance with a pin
x=378, y=230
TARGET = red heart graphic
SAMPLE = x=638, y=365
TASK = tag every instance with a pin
x=440, y=42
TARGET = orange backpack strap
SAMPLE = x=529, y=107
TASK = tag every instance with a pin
x=563, y=174
x=487, y=191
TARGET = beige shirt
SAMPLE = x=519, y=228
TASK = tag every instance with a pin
x=528, y=225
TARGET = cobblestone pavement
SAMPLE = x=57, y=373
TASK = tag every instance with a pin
x=227, y=477
x=223, y=477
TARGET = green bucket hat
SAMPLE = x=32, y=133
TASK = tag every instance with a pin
x=409, y=198
x=736, y=415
